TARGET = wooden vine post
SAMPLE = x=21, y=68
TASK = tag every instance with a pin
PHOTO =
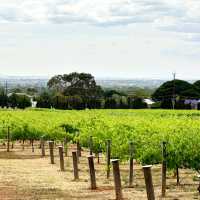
x=32, y=145
x=78, y=148
x=42, y=147
x=91, y=145
x=75, y=165
x=108, y=156
x=98, y=154
x=164, y=168
x=62, y=168
x=131, y=149
x=177, y=176
x=65, y=146
x=51, y=147
x=92, y=172
x=8, y=139
x=117, y=179
x=23, y=144
x=199, y=184
x=148, y=182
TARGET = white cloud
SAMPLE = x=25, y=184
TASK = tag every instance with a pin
x=168, y=15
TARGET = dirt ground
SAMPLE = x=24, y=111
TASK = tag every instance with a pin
x=26, y=175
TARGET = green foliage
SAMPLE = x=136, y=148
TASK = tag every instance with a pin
x=181, y=88
x=146, y=128
x=197, y=85
x=81, y=84
x=19, y=101
x=138, y=104
x=3, y=98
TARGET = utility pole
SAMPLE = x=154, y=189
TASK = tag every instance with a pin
x=6, y=91
x=174, y=91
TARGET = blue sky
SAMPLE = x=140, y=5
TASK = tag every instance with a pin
x=108, y=38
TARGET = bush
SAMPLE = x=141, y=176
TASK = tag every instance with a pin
x=166, y=104
x=156, y=105
x=181, y=105
x=19, y=101
x=110, y=103
x=138, y=103
x=198, y=106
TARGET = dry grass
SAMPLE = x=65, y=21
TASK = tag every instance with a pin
x=26, y=175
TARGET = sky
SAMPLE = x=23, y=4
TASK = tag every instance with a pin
x=107, y=38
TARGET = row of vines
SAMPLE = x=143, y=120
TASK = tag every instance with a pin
x=147, y=129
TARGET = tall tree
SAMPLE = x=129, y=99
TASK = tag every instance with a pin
x=182, y=89
x=76, y=84
x=197, y=85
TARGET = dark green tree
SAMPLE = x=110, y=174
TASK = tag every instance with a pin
x=23, y=101
x=44, y=100
x=180, y=88
x=110, y=103
x=197, y=85
x=138, y=104
x=13, y=100
x=76, y=84
x=3, y=98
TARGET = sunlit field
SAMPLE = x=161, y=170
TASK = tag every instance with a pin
x=147, y=129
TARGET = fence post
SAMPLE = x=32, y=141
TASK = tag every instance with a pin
x=78, y=148
x=108, y=155
x=91, y=145
x=32, y=146
x=117, y=179
x=131, y=149
x=23, y=144
x=8, y=140
x=149, y=182
x=164, y=169
x=43, y=147
x=51, y=147
x=61, y=158
x=92, y=172
x=75, y=164
x=65, y=146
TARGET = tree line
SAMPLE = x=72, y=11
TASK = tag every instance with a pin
x=14, y=100
x=80, y=91
x=177, y=92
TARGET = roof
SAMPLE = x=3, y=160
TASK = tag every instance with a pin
x=149, y=101
x=21, y=94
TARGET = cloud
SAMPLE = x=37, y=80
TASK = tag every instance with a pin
x=168, y=15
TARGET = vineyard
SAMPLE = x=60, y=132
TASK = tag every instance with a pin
x=145, y=130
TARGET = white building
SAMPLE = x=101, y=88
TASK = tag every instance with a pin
x=33, y=103
x=149, y=102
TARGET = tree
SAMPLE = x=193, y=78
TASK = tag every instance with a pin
x=13, y=100
x=110, y=103
x=19, y=101
x=110, y=93
x=197, y=85
x=76, y=84
x=23, y=101
x=31, y=91
x=44, y=100
x=139, y=104
x=3, y=98
x=182, y=89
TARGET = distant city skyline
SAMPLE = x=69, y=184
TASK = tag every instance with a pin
x=109, y=39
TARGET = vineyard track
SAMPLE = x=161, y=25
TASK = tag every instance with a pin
x=26, y=176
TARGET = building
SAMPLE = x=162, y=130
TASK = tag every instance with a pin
x=33, y=103
x=193, y=102
x=149, y=102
